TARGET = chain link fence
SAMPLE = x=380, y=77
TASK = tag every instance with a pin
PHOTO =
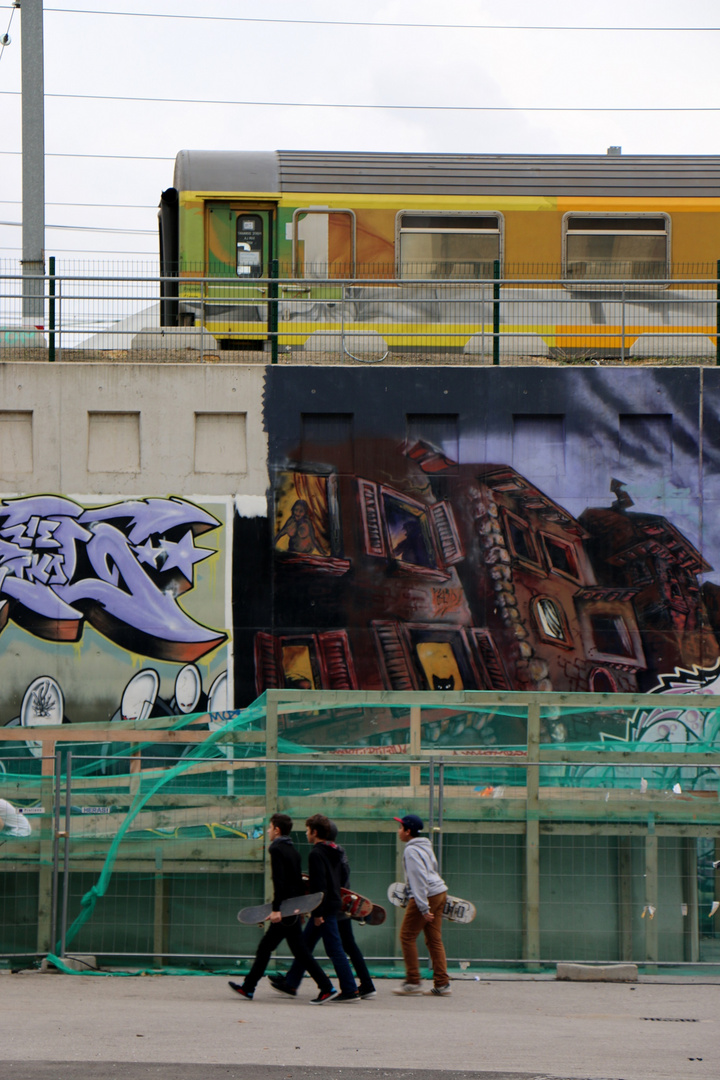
x=524, y=315
x=144, y=839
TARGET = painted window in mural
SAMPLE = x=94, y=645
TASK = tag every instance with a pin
x=550, y=620
x=520, y=539
x=609, y=628
x=433, y=245
x=320, y=661
x=302, y=514
x=418, y=537
x=418, y=656
x=616, y=245
x=561, y=556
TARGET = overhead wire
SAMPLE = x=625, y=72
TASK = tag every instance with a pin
x=378, y=25
x=373, y=105
x=5, y=40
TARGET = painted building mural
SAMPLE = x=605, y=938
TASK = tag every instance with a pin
x=505, y=530
x=436, y=529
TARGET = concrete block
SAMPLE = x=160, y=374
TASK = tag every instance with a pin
x=598, y=972
x=357, y=343
x=657, y=345
x=75, y=961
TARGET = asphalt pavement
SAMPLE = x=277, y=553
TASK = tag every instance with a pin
x=94, y=1027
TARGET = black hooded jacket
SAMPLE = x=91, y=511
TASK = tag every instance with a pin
x=325, y=875
x=286, y=871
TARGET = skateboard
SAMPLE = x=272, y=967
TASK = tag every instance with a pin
x=376, y=917
x=355, y=905
x=456, y=910
x=295, y=905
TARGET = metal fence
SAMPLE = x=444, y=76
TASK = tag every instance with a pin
x=570, y=850
x=528, y=315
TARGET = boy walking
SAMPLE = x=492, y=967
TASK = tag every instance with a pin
x=289, y=983
x=324, y=875
x=287, y=883
x=428, y=893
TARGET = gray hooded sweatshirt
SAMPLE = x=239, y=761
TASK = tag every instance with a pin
x=421, y=871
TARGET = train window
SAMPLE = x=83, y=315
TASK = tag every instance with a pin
x=249, y=245
x=450, y=245
x=623, y=246
x=323, y=243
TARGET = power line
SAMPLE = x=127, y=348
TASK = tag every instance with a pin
x=108, y=157
x=85, y=205
x=385, y=25
x=89, y=228
x=369, y=105
x=92, y=251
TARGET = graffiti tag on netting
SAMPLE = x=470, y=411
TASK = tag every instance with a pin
x=120, y=567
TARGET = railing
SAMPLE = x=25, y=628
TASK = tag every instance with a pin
x=531, y=317
x=570, y=850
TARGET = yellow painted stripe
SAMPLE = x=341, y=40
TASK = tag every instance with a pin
x=367, y=201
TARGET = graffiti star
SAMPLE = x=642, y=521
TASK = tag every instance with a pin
x=148, y=553
x=184, y=555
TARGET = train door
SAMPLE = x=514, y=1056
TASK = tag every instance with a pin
x=239, y=250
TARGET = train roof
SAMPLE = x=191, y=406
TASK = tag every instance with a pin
x=449, y=174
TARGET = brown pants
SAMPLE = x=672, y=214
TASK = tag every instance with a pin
x=412, y=924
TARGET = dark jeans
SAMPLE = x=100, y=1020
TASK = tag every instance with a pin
x=328, y=931
x=352, y=949
x=291, y=931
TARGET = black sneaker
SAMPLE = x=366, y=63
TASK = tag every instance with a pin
x=325, y=996
x=278, y=983
x=346, y=997
x=239, y=989
x=366, y=992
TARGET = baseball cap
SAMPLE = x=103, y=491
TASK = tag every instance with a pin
x=411, y=822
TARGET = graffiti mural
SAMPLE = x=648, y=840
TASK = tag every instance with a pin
x=89, y=594
x=457, y=532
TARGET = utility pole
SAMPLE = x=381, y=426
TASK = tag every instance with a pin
x=33, y=163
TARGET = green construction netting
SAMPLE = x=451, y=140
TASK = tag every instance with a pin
x=170, y=834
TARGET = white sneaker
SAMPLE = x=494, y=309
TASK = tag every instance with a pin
x=439, y=991
x=408, y=989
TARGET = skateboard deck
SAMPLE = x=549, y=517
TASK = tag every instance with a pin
x=376, y=917
x=295, y=905
x=456, y=910
x=355, y=905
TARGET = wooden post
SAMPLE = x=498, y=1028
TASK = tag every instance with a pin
x=624, y=898
x=45, y=943
x=532, y=837
x=415, y=745
x=134, y=774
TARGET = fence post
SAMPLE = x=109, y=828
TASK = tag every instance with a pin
x=273, y=320
x=51, y=309
x=622, y=325
x=66, y=852
x=532, y=836
x=717, y=313
x=55, y=850
x=496, y=313
x=441, y=792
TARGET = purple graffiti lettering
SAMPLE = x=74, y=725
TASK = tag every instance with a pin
x=120, y=567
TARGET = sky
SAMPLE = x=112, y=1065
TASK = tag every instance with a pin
x=113, y=157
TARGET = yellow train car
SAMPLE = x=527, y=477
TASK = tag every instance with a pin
x=600, y=254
